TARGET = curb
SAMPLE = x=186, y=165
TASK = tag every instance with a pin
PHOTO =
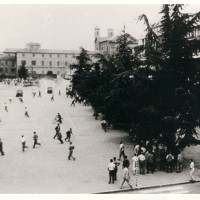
x=146, y=187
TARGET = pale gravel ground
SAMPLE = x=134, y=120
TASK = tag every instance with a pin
x=46, y=169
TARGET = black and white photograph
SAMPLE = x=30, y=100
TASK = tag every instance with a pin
x=99, y=98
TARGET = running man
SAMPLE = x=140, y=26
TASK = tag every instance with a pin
x=35, y=138
x=71, y=148
x=68, y=134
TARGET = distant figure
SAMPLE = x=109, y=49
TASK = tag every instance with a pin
x=39, y=94
x=179, y=162
x=116, y=168
x=57, y=128
x=60, y=137
x=34, y=93
x=73, y=103
x=1, y=148
x=35, y=138
x=6, y=108
x=23, y=140
x=26, y=112
x=59, y=93
x=121, y=150
x=52, y=98
x=21, y=99
x=59, y=118
x=191, y=170
x=68, y=135
x=10, y=100
x=71, y=149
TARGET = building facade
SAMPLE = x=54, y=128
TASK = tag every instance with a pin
x=43, y=61
x=108, y=44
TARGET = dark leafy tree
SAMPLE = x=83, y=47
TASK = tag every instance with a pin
x=23, y=72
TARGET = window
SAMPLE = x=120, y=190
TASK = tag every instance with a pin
x=6, y=70
x=50, y=63
x=42, y=63
x=42, y=55
x=23, y=62
x=33, y=62
x=57, y=72
x=33, y=55
x=58, y=63
x=65, y=63
x=6, y=62
x=65, y=55
x=42, y=72
x=50, y=55
x=58, y=55
x=23, y=54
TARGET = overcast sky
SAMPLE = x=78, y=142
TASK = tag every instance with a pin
x=71, y=26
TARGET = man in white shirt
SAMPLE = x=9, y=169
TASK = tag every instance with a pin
x=121, y=150
x=23, y=140
x=191, y=170
x=111, y=168
x=141, y=158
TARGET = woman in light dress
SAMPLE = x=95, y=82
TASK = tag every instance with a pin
x=135, y=164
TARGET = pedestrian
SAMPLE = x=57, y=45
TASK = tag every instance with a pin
x=73, y=103
x=1, y=148
x=141, y=159
x=126, y=178
x=34, y=93
x=21, y=99
x=23, y=140
x=135, y=163
x=60, y=137
x=191, y=170
x=150, y=162
x=121, y=150
x=52, y=98
x=71, y=149
x=57, y=128
x=126, y=162
x=68, y=135
x=59, y=118
x=116, y=168
x=179, y=162
x=39, y=94
x=35, y=138
x=59, y=93
x=6, y=108
x=169, y=159
x=26, y=112
x=111, y=168
x=104, y=125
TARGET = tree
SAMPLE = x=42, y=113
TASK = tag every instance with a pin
x=175, y=92
x=23, y=72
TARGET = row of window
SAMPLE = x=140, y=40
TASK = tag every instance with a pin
x=13, y=70
x=50, y=55
x=33, y=62
x=7, y=62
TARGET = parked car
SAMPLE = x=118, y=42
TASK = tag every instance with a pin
x=19, y=93
x=49, y=90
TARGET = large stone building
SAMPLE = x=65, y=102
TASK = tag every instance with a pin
x=108, y=44
x=43, y=61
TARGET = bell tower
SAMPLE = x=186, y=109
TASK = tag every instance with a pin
x=97, y=32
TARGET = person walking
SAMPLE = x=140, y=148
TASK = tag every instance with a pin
x=35, y=138
x=59, y=118
x=52, y=98
x=1, y=148
x=116, y=168
x=126, y=178
x=26, y=112
x=57, y=128
x=6, y=108
x=68, y=135
x=71, y=149
x=111, y=168
x=179, y=162
x=191, y=170
x=121, y=150
x=60, y=137
x=23, y=140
